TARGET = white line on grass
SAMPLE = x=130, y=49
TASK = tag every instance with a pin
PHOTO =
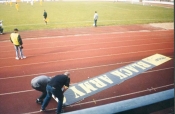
x=65, y=23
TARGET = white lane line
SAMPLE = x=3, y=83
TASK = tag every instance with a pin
x=16, y=92
x=92, y=39
x=75, y=44
x=76, y=69
x=146, y=90
x=111, y=37
x=75, y=35
x=91, y=57
x=90, y=49
x=109, y=33
x=40, y=111
x=109, y=98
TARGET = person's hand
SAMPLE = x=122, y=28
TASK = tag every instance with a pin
x=21, y=46
x=65, y=88
x=54, y=97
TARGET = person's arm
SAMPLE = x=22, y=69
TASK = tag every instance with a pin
x=20, y=40
x=65, y=88
x=11, y=39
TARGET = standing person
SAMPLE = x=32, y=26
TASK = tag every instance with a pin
x=1, y=28
x=15, y=38
x=31, y=2
x=55, y=87
x=41, y=2
x=95, y=18
x=45, y=16
x=17, y=6
x=39, y=83
x=10, y=2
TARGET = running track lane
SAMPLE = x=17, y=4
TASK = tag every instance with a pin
x=85, y=56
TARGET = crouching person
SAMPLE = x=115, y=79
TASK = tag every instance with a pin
x=54, y=87
x=39, y=83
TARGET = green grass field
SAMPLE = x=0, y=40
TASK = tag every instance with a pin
x=80, y=14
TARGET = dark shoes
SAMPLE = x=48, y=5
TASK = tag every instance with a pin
x=62, y=111
x=39, y=101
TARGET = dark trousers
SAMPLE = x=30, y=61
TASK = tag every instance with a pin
x=44, y=93
x=95, y=23
x=1, y=30
x=45, y=19
x=57, y=93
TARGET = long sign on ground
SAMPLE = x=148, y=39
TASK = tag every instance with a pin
x=86, y=88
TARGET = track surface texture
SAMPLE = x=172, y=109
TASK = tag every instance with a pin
x=85, y=52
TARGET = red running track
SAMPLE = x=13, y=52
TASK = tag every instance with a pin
x=85, y=52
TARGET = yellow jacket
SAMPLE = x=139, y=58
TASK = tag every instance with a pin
x=15, y=39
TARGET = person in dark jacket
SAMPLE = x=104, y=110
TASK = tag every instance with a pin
x=39, y=83
x=1, y=28
x=45, y=16
x=54, y=87
x=15, y=38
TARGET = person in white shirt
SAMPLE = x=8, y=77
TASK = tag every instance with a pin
x=1, y=28
x=95, y=18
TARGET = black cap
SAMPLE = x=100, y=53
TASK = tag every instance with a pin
x=15, y=29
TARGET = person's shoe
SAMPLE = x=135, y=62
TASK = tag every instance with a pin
x=62, y=110
x=39, y=101
x=64, y=105
x=17, y=58
x=42, y=110
x=23, y=57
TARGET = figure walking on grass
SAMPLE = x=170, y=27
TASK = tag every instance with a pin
x=95, y=18
x=15, y=38
x=45, y=16
x=17, y=6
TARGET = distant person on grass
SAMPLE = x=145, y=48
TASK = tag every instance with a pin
x=45, y=17
x=39, y=83
x=95, y=18
x=1, y=28
x=54, y=87
x=17, y=6
x=15, y=38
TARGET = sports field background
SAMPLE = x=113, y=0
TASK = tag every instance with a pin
x=80, y=14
